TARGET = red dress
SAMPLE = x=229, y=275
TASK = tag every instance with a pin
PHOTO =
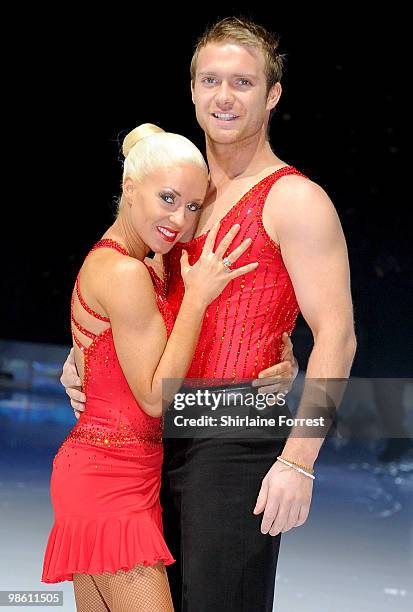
x=106, y=475
x=242, y=328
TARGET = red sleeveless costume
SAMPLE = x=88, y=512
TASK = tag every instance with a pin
x=242, y=329
x=106, y=475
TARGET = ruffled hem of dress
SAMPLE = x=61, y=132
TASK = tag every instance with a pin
x=79, y=545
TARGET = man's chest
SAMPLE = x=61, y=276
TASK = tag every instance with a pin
x=216, y=208
x=218, y=203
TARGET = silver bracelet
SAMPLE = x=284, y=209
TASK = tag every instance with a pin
x=296, y=468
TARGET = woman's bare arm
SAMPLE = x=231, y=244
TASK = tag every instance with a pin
x=145, y=355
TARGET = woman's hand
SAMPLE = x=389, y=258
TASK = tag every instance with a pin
x=279, y=377
x=207, y=278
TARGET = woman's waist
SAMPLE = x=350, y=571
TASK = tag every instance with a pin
x=115, y=433
x=112, y=409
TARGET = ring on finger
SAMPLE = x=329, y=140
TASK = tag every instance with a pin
x=227, y=264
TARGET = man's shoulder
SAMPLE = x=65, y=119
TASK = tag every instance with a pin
x=293, y=184
x=297, y=190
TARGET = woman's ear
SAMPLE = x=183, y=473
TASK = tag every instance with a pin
x=128, y=189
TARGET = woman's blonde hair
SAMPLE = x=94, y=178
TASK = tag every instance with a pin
x=148, y=147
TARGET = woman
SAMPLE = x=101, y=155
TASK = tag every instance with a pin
x=107, y=535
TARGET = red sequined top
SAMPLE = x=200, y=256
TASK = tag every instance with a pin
x=242, y=328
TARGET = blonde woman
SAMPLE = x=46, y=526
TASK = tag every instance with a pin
x=107, y=536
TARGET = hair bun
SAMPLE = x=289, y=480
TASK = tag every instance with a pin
x=137, y=134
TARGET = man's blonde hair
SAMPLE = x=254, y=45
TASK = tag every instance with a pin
x=243, y=31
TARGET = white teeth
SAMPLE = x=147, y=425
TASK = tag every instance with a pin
x=224, y=116
x=164, y=231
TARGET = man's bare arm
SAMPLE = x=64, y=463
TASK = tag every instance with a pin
x=301, y=217
x=315, y=254
x=72, y=383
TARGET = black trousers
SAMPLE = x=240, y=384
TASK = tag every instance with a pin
x=209, y=490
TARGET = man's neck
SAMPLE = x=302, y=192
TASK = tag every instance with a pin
x=228, y=162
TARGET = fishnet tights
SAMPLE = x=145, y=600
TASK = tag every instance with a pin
x=141, y=589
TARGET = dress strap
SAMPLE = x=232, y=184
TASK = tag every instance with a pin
x=82, y=329
x=79, y=344
x=106, y=243
x=87, y=308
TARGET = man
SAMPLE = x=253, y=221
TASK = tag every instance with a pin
x=227, y=554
